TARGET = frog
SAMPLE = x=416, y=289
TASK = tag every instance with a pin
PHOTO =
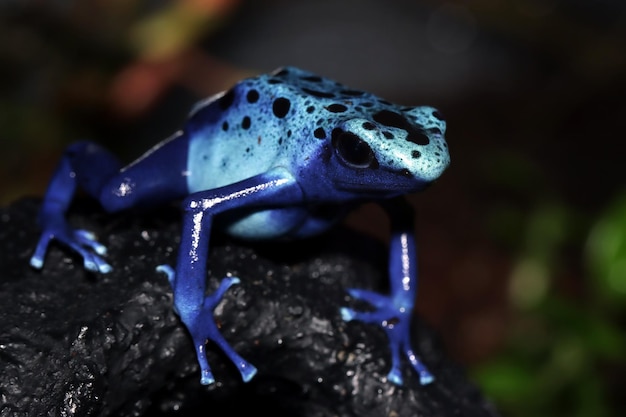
x=281, y=155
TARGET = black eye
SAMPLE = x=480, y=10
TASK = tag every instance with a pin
x=352, y=150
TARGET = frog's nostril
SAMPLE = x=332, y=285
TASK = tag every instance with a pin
x=414, y=133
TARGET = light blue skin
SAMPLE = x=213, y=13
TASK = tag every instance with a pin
x=281, y=155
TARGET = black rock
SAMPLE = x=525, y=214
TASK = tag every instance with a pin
x=74, y=343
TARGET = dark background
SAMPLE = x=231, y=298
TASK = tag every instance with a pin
x=522, y=241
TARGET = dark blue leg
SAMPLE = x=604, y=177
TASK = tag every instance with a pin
x=204, y=325
x=81, y=161
x=194, y=307
x=86, y=165
x=393, y=313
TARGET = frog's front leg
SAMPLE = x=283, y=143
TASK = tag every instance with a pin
x=195, y=308
x=393, y=312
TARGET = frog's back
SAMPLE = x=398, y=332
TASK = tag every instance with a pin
x=275, y=119
x=258, y=124
x=287, y=119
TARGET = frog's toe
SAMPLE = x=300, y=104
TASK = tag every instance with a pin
x=226, y=283
x=374, y=298
x=395, y=376
x=88, y=239
x=424, y=374
x=94, y=263
x=80, y=241
x=347, y=314
x=84, y=234
x=168, y=271
x=36, y=261
x=105, y=268
x=207, y=377
x=426, y=377
x=247, y=370
x=211, y=301
x=400, y=344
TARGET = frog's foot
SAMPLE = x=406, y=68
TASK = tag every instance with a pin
x=202, y=327
x=81, y=241
x=396, y=323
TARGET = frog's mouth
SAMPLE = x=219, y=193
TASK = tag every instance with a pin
x=390, y=183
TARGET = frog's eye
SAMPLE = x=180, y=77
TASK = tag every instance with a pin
x=352, y=150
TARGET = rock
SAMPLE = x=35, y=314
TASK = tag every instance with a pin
x=73, y=343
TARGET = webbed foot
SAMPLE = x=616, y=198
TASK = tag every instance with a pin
x=81, y=241
x=201, y=325
x=396, y=322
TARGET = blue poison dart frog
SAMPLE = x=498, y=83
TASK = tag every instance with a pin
x=280, y=155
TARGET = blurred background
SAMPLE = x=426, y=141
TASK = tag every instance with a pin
x=523, y=239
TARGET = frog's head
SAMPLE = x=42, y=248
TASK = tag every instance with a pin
x=389, y=152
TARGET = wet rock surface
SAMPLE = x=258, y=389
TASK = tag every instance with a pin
x=73, y=343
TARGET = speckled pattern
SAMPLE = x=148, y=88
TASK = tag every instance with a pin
x=294, y=118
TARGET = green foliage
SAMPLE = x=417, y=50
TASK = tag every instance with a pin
x=564, y=349
x=606, y=255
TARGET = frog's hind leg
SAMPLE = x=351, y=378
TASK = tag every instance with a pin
x=89, y=166
x=92, y=168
